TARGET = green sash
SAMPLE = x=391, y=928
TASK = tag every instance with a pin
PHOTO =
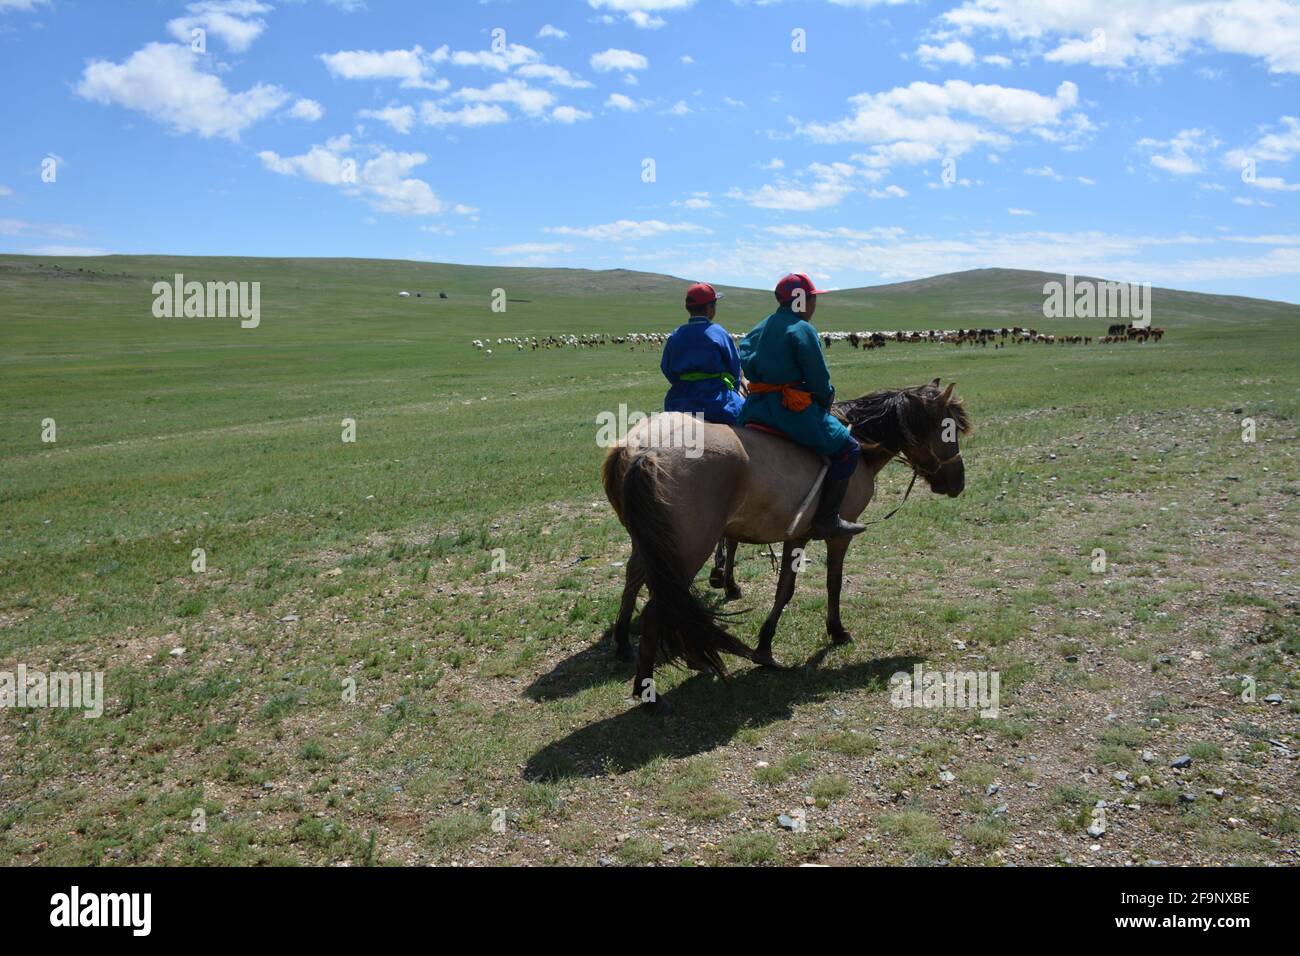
x=728, y=379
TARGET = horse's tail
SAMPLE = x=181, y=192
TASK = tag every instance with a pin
x=611, y=476
x=687, y=630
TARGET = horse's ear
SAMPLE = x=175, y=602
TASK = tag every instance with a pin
x=935, y=383
x=947, y=393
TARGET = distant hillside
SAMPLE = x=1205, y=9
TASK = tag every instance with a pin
x=1017, y=294
x=976, y=297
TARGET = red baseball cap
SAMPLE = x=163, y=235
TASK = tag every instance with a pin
x=785, y=289
x=701, y=294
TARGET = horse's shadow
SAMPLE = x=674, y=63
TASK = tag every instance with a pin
x=701, y=714
x=596, y=664
x=592, y=666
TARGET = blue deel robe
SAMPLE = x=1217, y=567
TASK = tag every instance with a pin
x=702, y=346
x=786, y=348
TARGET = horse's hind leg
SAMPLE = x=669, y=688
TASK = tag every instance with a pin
x=733, y=589
x=784, y=591
x=717, y=577
x=643, y=685
x=836, y=548
x=632, y=584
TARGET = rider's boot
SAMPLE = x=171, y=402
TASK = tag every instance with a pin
x=827, y=522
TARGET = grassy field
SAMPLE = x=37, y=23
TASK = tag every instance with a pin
x=231, y=732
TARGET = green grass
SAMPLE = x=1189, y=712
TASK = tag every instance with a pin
x=918, y=833
x=359, y=685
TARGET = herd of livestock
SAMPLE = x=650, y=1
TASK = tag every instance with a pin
x=998, y=338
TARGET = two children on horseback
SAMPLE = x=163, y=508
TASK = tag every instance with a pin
x=788, y=382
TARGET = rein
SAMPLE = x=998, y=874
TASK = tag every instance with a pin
x=917, y=471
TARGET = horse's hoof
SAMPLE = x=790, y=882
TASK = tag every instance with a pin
x=717, y=578
x=734, y=593
x=841, y=637
x=767, y=660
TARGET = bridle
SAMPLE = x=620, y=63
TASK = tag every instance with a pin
x=940, y=463
x=917, y=471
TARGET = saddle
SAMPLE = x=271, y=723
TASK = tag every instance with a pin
x=817, y=482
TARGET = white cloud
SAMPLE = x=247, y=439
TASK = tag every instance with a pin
x=889, y=192
x=6, y=191
x=625, y=230
x=952, y=52
x=549, y=32
x=308, y=110
x=1182, y=155
x=1122, y=257
x=646, y=21
x=997, y=59
x=235, y=22
x=830, y=184
x=532, y=249
x=679, y=109
x=1148, y=33
x=1047, y=172
x=614, y=59
x=556, y=75
x=65, y=250
x=527, y=98
x=620, y=102
x=164, y=81
x=1247, y=201
x=642, y=14
x=400, y=118
x=20, y=6
x=1019, y=212
x=1276, y=145
x=512, y=55
x=569, y=114
x=410, y=66
x=1275, y=183
x=43, y=230
x=477, y=114
x=382, y=180
x=633, y=6
x=843, y=232
x=916, y=123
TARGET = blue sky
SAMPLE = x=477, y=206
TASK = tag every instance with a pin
x=862, y=141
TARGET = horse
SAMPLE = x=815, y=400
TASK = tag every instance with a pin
x=678, y=484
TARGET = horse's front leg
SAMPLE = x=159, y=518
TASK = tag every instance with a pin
x=733, y=589
x=791, y=564
x=836, y=548
x=632, y=584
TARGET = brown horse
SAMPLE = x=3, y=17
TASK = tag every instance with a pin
x=678, y=485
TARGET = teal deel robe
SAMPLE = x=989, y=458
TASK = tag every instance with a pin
x=786, y=348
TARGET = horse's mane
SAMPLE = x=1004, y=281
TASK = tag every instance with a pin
x=898, y=418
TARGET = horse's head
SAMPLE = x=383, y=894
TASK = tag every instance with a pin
x=936, y=419
x=920, y=424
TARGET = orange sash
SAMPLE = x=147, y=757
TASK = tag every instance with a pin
x=795, y=399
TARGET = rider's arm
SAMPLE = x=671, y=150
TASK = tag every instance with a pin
x=731, y=356
x=812, y=362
